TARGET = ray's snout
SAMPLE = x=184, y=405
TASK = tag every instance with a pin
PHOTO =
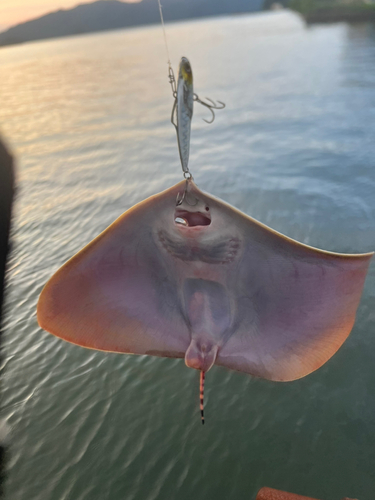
x=191, y=210
x=200, y=356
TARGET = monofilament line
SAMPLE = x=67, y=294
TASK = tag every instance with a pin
x=165, y=36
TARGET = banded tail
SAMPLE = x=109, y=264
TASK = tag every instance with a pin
x=201, y=392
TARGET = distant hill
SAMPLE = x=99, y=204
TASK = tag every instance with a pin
x=112, y=14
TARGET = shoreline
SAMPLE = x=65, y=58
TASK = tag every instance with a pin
x=319, y=12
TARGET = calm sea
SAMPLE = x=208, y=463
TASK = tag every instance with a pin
x=88, y=120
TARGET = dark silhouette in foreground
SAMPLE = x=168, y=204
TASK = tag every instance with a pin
x=6, y=197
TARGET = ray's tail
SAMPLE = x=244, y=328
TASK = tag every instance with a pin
x=201, y=392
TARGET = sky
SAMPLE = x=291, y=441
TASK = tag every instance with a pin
x=17, y=11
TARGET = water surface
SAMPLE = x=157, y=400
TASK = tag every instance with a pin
x=88, y=119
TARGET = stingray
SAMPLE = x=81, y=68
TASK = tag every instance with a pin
x=200, y=280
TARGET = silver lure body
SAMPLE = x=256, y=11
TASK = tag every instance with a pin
x=184, y=111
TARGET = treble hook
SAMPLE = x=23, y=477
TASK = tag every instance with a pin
x=184, y=197
x=211, y=107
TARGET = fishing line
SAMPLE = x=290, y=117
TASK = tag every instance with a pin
x=171, y=77
x=164, y=34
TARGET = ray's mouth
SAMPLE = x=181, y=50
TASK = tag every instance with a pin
x=191, y=219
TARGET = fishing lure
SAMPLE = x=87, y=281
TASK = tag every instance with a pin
x=182, y=111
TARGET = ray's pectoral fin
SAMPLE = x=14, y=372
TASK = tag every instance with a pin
x=117, y=294
x=297, y=305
